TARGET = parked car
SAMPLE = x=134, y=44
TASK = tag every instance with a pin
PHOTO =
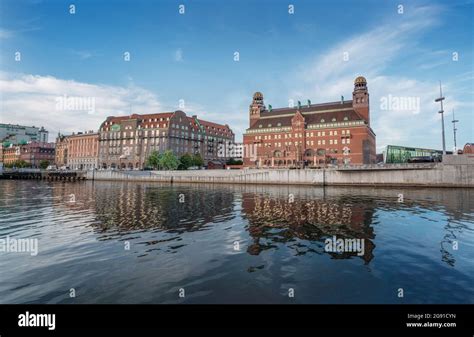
x=51, y=168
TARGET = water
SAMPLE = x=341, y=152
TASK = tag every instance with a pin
x=184, y=237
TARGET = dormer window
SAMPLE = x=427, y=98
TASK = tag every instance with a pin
x=346, y=118
x=334, y=119
x=322, y=120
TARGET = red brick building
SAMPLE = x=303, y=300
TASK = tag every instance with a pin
x=35, y=152
x=312, y=134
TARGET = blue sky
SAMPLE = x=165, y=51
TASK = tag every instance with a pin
x=190, y=57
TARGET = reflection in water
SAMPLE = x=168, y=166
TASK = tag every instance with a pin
x=184, y=235
x=274, y=220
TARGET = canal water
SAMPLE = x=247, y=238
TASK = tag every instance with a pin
x=119, y=242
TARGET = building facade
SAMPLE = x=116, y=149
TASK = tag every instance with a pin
x=82, y=151
x=394, y=154
x=20, y=134
x=126, y=142
x=311, y=135
x=35, y=152
x=61, y=151
x=468, y=148
x=32, y=153
x=11, y=154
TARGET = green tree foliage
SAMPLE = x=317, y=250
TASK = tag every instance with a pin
x=197, y=160
x=153, y=160
x=44, y=164
x=18, y=164
x=186, y=161
x=232, y=161
x=168, y=161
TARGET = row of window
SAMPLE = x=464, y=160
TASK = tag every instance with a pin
x=309, y=143
x=321, y=121
x=300, y=135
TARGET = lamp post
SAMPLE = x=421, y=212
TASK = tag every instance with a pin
x=441, y=99
x=454, y=133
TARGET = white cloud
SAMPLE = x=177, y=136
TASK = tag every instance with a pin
x=178, y=55
x=371, y=54
x=82, y=54
x=5, y=33
x=32, y=100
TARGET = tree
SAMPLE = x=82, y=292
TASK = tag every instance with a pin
x=186, y=161
x=44, y=164
x=20, y=164
x=233, y=161
x=197, y=160
x=153, y=160
x=169, y=161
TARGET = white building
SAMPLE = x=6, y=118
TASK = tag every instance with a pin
x=20, y=134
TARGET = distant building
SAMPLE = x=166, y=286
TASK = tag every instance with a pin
x=61, y=151
x=83, y=150
x=20, y=134
x=11, y=154
x=312, y=134
x=32, y=153
x=35, y=152
x=214, y=165
x=79, y=151
x=468, y=148
x=402, y=154
x=127, y=141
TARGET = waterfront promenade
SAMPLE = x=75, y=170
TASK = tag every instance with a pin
x=455, y=171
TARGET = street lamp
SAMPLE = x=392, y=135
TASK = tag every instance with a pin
x=441, y=99
x=454, y=133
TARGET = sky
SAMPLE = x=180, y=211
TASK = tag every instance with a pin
x=208, y=58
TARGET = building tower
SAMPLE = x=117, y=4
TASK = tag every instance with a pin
x=256, y=108
x=360, y=98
